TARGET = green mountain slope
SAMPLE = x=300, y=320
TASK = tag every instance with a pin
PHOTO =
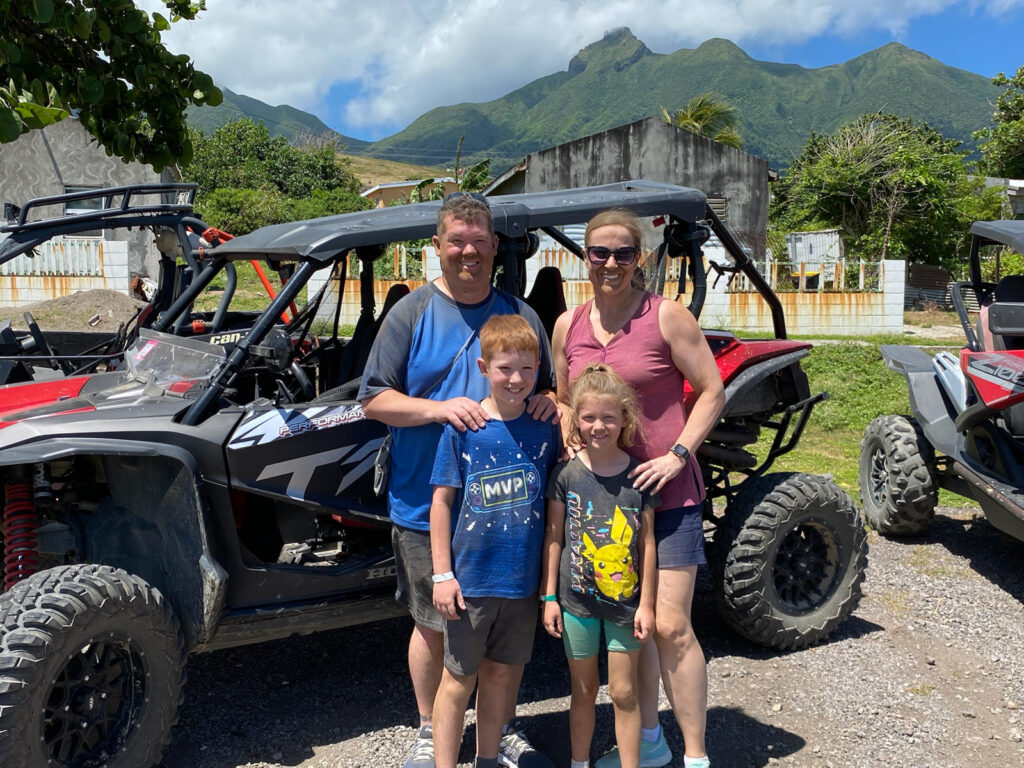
x=294, y=124
x=618, y=80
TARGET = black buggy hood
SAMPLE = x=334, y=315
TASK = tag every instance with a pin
x=1004, y=232
x=322, y=240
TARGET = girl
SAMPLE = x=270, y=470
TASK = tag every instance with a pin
x=606, y=574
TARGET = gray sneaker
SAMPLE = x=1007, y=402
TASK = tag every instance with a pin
x=515, y=751
x=422, y=753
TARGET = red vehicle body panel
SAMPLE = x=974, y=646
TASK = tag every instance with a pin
x=736, y=356
x=998, y=376
x=17, y=398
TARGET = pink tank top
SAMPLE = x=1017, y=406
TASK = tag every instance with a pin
x=640, y=355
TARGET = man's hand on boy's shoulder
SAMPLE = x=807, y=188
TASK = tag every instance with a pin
x=543, y=407
x=460, y=412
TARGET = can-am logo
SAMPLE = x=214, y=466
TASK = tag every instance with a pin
x=998, y=371
x=226, y=338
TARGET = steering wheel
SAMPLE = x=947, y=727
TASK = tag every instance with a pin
x=42, y=348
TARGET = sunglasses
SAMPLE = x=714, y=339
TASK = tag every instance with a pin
x=624, y=256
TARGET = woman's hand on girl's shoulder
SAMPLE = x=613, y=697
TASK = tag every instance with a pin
x=654, y=473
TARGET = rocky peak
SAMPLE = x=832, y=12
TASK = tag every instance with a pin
x=619, y=48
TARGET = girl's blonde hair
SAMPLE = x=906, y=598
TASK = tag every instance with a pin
x=599, y=380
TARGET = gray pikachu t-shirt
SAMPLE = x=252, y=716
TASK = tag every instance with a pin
x=599, y=574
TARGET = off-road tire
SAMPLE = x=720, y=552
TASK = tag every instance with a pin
x=790, y=560
x=897, y=477
x=91, y=670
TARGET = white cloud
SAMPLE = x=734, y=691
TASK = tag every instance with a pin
x=403, y=57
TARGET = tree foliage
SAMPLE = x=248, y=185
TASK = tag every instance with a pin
x=894, y=188
x=248, y=179
x=709, y=116
x=104, y=61
x=1002, y=146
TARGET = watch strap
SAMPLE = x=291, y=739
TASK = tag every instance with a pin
x=681, y=451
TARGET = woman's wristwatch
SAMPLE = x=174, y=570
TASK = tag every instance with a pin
x=681, y=451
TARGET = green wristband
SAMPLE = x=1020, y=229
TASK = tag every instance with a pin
x=549, y=598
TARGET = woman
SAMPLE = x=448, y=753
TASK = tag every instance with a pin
x=654, y=344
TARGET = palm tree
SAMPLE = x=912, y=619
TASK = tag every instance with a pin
x=709, y=116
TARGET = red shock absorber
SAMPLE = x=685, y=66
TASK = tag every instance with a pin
x=21, y=558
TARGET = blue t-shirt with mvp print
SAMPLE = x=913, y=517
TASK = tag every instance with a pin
x=501, y=472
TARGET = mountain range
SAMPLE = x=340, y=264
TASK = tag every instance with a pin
x=617, y=80
x=294, y=124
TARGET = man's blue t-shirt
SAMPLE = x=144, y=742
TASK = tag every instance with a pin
x=501, y=472
x=416, y=343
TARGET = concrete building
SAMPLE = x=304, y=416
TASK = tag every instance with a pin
x=1013, y=191
x=735, y=182
x=64, y=158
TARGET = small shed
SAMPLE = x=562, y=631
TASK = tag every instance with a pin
x=817, y=250
x=927, y=284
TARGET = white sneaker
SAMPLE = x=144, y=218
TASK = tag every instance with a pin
x=422, y=753
x=516, y=751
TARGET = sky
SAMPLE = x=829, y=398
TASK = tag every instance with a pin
x=368, y=69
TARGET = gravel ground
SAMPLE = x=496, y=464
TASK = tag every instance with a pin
x=927, y=672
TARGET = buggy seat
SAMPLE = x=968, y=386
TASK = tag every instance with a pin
x=1001, y=323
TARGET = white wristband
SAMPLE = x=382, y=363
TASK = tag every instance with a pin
x=437, y=578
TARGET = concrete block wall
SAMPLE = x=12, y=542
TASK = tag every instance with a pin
x=63, y=267
x=847, y=313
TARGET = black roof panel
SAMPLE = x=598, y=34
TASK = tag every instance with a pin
x=1005, y=232
x=326, y=238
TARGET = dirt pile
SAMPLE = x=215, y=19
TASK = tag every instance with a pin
x=105, y=308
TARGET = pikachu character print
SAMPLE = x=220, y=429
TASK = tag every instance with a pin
x=614, y=571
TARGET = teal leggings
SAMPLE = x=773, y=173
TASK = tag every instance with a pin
x=582, y=636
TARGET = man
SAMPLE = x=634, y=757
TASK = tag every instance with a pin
x=421, y=375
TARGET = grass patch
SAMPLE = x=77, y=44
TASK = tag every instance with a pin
x=929, y=318
x=897, y=601
x=926, y=563
x=250, y=295
x=860, y=388
x=374, y=170
x=921, y=689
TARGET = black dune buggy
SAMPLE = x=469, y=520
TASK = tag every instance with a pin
x=180, y=238
x=966, y=433
x=204, y=495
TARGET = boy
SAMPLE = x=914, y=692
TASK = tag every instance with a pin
x=488, y=596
